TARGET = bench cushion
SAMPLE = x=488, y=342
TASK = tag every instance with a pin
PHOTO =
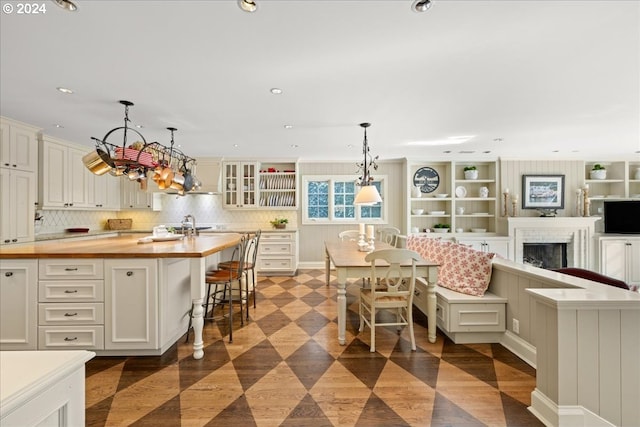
x=467, y=270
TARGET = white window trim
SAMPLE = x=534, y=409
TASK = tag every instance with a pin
x=331, y=220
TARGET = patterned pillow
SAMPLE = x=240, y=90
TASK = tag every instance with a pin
x=466, y=270
x=431, y=249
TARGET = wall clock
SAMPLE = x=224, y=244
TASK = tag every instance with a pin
x=427, y=179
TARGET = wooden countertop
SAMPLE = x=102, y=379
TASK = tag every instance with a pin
x=125, y=246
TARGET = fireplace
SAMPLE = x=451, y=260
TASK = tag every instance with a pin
x=545, y=255
x=571, y=236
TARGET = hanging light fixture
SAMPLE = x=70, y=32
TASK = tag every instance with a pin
x=421, y=5
x=368, y=194
x=248, y=5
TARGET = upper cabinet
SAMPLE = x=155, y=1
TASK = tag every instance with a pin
x=63, y=177
x=278, y=186
x=267, y=185
x=443, y=199
x=240, y=185
x=18, y=146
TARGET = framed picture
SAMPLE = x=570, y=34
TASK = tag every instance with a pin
x=542, y=191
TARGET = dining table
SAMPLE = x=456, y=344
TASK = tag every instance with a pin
x=349, y=262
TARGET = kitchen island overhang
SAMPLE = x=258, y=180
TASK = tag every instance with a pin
x=126, y=246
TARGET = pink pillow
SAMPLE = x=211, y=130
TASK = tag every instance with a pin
x=466, y=270
x=431, y=249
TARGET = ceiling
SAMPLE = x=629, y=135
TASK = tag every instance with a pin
x=528, y=79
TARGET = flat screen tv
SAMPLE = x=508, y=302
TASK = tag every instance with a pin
x=622, y=216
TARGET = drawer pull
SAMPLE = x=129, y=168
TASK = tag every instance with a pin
x=129, y=273
x=70, y=314
x=8, y=274
x=71, y=269
x=70, y=339
x=69, y=291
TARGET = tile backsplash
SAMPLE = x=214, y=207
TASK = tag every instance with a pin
x=206, y=208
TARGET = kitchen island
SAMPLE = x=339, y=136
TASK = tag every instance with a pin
x=111, y=295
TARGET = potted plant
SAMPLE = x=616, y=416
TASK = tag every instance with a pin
x=279, y=222
x=598, y=172
x=470, y=172
x=441, y=228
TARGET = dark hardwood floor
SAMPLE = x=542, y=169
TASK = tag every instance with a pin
x=286, y=368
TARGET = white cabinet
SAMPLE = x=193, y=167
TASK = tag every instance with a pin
x=18, y=146
x=63, y=177
x=620, y=258
x=18, y=206
x=240, y=186
x=71, y=304
x=278, y=253
x=209, y=171
x=131, y=302
x=133, y=197
x=103, y=192
x=497, y=245
x=18, y=304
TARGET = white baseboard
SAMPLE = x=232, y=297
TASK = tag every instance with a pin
x=552, y=415
x=519, y=347
x=312, y=265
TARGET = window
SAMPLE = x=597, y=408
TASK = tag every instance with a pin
x=330, y=199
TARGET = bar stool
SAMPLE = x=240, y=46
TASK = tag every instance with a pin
x=250, y=257
x=222, y=282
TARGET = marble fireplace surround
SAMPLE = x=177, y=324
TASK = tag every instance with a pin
x=576, y=232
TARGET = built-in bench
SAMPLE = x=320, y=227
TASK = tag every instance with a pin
x=464, y=318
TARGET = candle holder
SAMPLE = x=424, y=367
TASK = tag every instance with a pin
x=514, y=206
x=579, y=202
x=362, y=243
x=372, y=246
x=505, y=211
x=586, y=202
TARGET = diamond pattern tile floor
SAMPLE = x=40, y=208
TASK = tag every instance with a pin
x=286, y=368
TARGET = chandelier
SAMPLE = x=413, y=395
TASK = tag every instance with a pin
x=368, y=194
x=136, y=159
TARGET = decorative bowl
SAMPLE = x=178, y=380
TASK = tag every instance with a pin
x=417, y=211
x=442, y=196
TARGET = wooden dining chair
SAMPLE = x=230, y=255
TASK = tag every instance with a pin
x=395, y=293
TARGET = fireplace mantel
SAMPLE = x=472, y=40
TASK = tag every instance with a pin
x=577, y=232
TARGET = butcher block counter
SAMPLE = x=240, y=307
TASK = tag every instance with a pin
x=123, y=246
x=111, y=295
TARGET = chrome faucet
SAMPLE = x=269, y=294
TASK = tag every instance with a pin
x=189, y=220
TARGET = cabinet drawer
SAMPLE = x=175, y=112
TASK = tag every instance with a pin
x=275, y=264
x=71, y=314
x=273, y=248
x=71, y=269
x=71, y=291
x=68, y=337
x=273, y=237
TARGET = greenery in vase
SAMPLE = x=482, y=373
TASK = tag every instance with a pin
x=598, y=167
x=442, y=226
x=279, y=222
x=469, y=168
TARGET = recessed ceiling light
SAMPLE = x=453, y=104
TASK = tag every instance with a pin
x=59, y=126
x=248, y=5
x=555, y=151
x=64, y=90
x=66, y=5
x=447, y=151
x=486, y=151
x=466, y=152
x=497, y=139
x=236, y=145
x=288, y=126
x=294, y=145
x=276, y=91
x=349, y=145
x=139, y=126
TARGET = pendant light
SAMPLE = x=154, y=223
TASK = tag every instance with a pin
x=368, y=194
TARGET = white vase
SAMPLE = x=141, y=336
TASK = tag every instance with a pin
x=483, y=192
x=471, y=174
x=415, y=192
x=598, y=174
